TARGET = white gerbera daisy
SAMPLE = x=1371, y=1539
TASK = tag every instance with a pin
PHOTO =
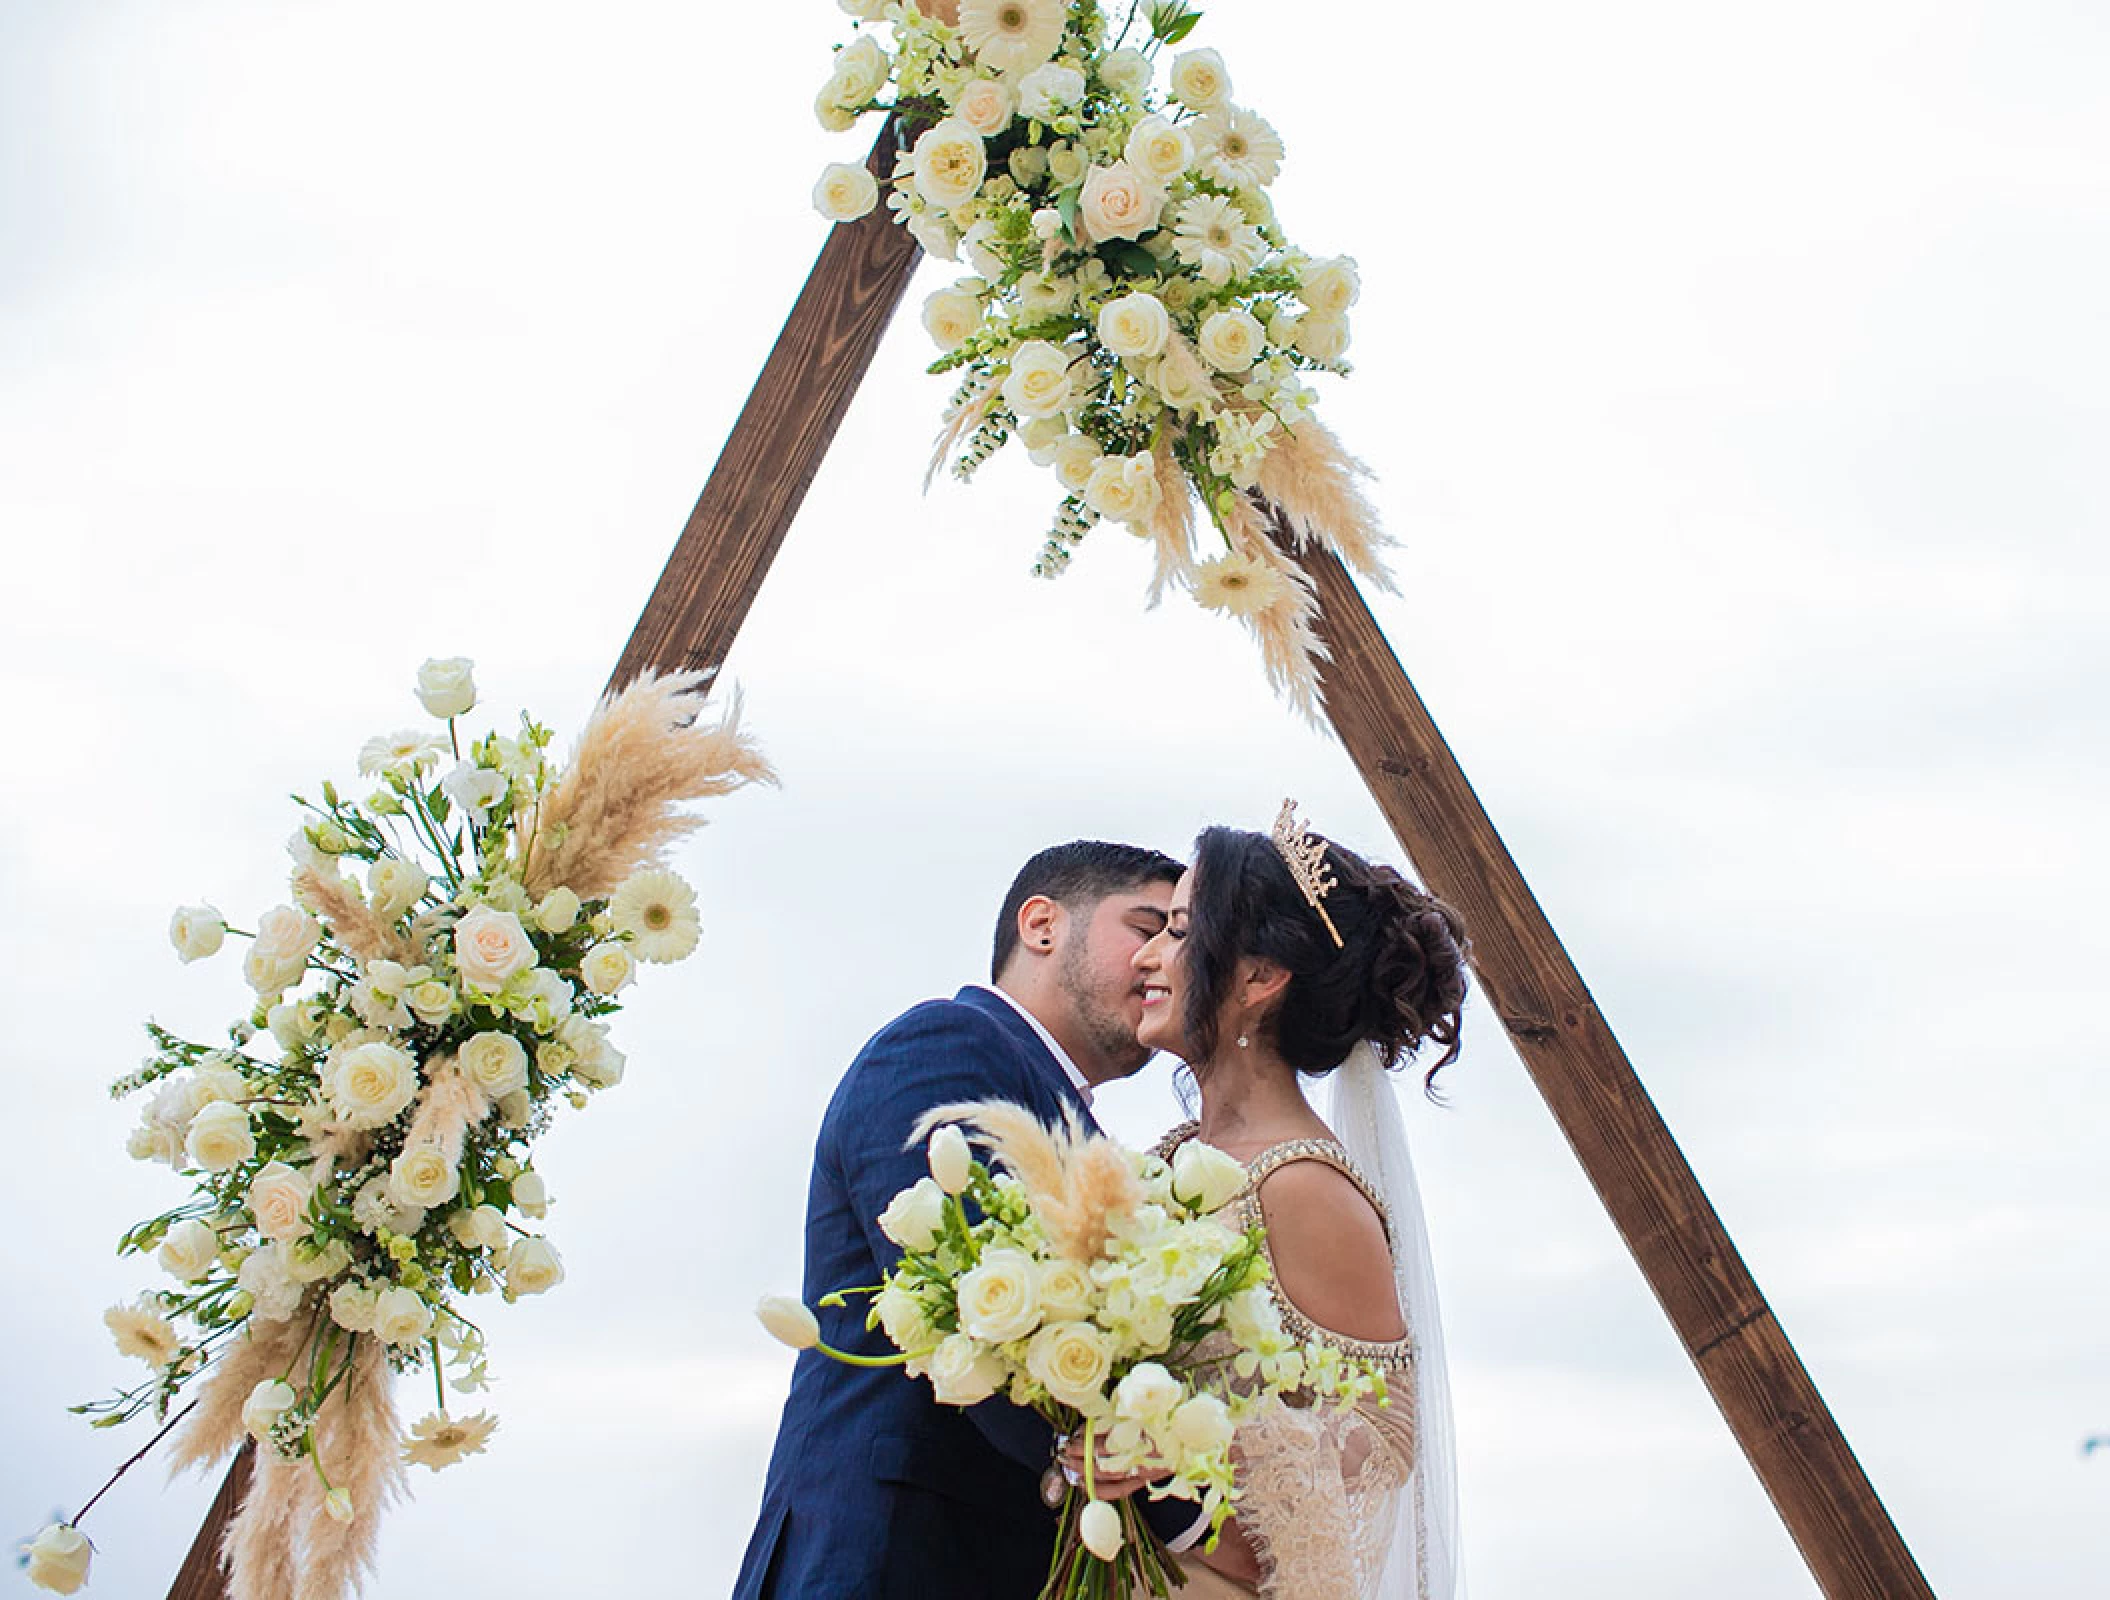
x=1239, y=585
x=1012, y=36
x=143, y=1332
x=658, y=911
x=439, y=1440
x=1215, y=239
x=405, y=750
x=1238, y=148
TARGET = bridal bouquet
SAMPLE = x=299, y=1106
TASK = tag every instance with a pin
x=360, y=1149
x=1135, y=313
x=1094, y=1285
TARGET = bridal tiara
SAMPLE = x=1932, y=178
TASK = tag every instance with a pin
x=1305, y=856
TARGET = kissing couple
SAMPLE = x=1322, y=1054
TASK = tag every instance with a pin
x=1269, y=963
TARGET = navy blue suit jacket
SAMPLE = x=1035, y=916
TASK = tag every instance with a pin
x=876, y=1491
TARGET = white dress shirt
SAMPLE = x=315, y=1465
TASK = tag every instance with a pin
x=1062, y=1056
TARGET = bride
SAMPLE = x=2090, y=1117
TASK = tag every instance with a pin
x=1286, y=959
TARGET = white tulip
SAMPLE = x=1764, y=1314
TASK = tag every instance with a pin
x=788, y=1321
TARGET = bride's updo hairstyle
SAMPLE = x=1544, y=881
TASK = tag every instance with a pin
x=1397, y=979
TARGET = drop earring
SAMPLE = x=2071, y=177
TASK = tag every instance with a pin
x=1242, y=1041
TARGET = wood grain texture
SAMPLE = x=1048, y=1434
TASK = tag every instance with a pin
x=202, y=1575
x=777, y=444
x=1765, y=1394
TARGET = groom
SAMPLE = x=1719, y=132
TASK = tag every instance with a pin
x=875, y=1490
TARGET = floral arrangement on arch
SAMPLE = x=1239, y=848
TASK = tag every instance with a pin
x=1136, y=317
x=1098, y=1286
x=361, y=1148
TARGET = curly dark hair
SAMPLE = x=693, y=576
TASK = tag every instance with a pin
x=1398, y=978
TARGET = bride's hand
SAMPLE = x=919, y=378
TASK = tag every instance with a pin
x=1106, y=1484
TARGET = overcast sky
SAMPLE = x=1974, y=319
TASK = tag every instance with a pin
x=1736, y=384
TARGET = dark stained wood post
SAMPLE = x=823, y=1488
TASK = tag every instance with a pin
x=202, y=1576
x=1766, y=1396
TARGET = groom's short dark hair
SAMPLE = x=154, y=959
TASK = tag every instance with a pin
x=1082, y=872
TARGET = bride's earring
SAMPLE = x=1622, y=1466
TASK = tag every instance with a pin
x=1243, y=1041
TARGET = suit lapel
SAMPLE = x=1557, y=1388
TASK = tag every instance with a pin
x=1032, y=1048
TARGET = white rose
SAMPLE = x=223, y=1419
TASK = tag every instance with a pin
x=951, y=317
x=196, y=932
x=495, y=1063
x=1123, y=488
x=292, y=1023
x=393, y=887
x=1039, y=383
x=533, y=1267
x=950, y=1159
x=483, y=1228
x=278, y=1199
x=1231, y=341
x=1147, y=1393
x=963, y=1372
x=1041, y=434
x=353, y=1307
x=272, y=1289
x=950, y=162
x=1049, y=90
x=1126, y=71
x=1067, y=164
x=489, y=947
x=986, y=105
x=902, y=1317
x=1118, y=203
x=1065, y=1292
x=860, y=72
x=58, y=1558
x=1074, y=460
x=1099, y=1529
x=999, y=1298
x=447, y=688
x=1135, y=325
x=189, y=1250
x=846, y=191
x=370, y=1084
x=279, y=955
x=217, y=1079
x=514, y=1109
x=593, y=1059
x=431, y=1002
x=789, y=1321
x=865, y=10
x=1205, y=1178
x=401, y=1317
x=1330, y=287
x=531, y=1194
x=422, y=1177
x=219, y=1137
x=830, y=115
x=267, y=1402
x=1028, y=164
x=1322, y=338
x=558, y=910
x=1202, y=1426
x=1072, y=1360
x=1199, y=81
x=912, y=1218
x=1158, y=149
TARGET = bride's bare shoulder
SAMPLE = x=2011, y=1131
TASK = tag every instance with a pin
x=1332, y=1259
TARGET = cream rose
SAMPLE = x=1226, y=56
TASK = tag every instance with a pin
x=189, y=1250
x=534, y=1267
x=607, y=967
x=1322, y=338
x=1182, y=382
x=1039, y=382
x=58, y=1558
x=1073, y=460
x=1231, y=341
x=530, y=1194
x=1202, y=1425
x=1147, y=1393
x=1065, y=1291
x=950, y=163
x=860, y=72
x=1205, y=1178
x=1118, y=203
x=353, y=1307
x=423, y=1177
x=1126, y=71
x=903, y=1318
x=483, y=1228
x=963, y=1372
x=1199, y=80
x=196, y=932
x=1071, y=1360
x=999, y=1299
x=489, y=947
x=447, y=687
x=1123, y=488
x=267, y=1402
x=1067, y=164
x=401, y=1317
x=285, y=937
x=1330, y=287
x=278, y=1199
x=1158, y=149
x=431, y=1002
x=219, y=1138
x=985, y=105
x=370, y=1084
x=912, y=1218
x=557, y=910
x=830, y=115
x=1136, y=325
x=951, y=317
x=495, y=1063
x=393, y=887
x=845, y=192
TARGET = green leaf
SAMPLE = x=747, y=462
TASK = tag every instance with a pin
x=1181, y=28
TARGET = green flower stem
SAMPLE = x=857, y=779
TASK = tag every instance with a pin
x=849, y=1360
x=439, y=1385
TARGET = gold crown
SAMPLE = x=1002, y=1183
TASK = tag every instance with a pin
x=1305, y=857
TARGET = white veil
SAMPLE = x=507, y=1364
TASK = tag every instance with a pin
x=1423, y=1559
